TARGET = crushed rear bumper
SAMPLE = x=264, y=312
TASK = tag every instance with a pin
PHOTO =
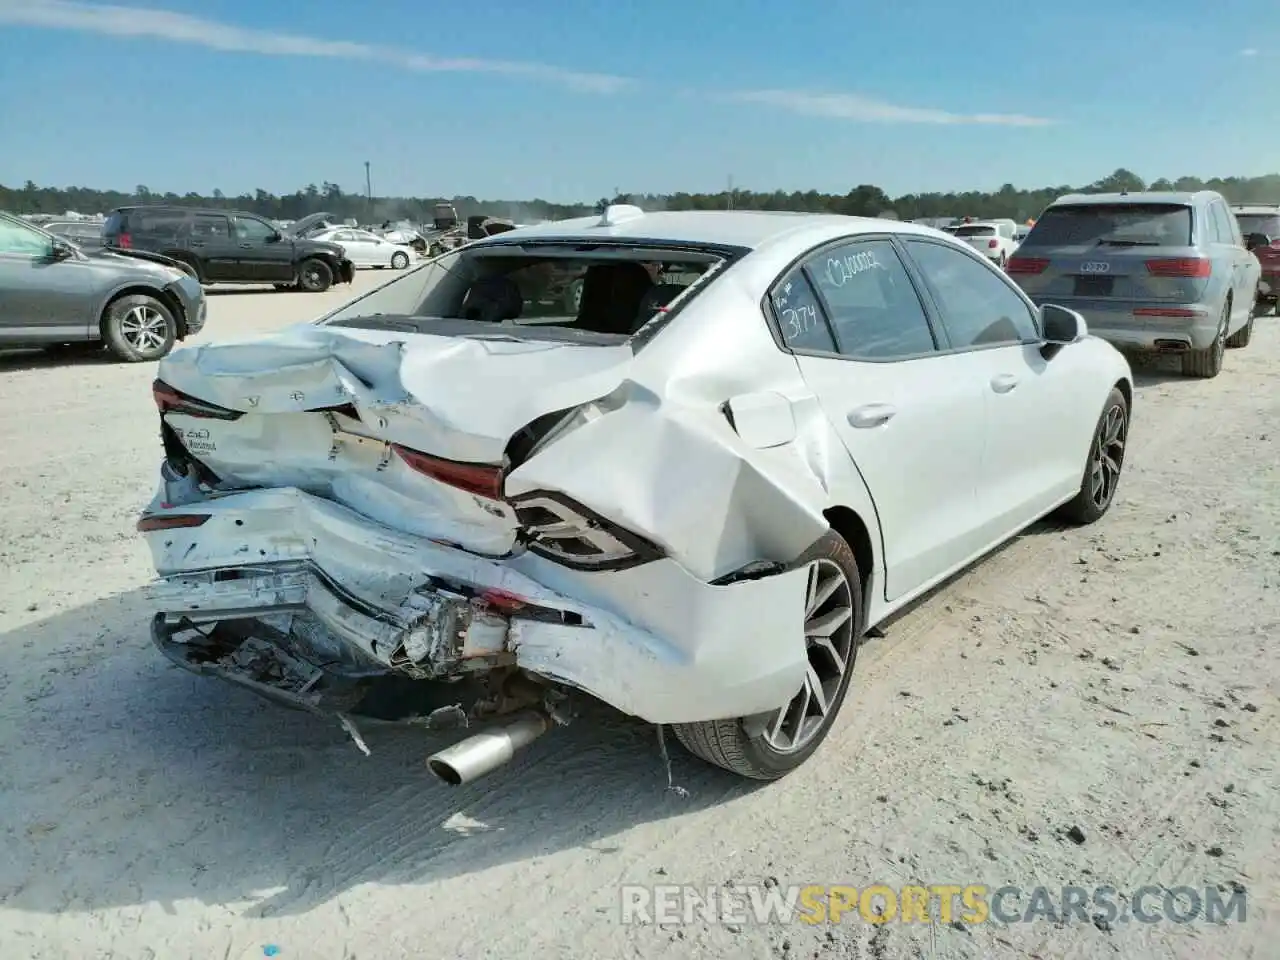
x=323, y=597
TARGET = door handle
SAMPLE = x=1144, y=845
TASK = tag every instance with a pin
x=871, y=415
x=1003, y=382
x=197, y=243
x=246, y=246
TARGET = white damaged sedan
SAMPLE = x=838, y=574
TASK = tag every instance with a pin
x=757, y=436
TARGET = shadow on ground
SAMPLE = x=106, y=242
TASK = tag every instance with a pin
x=130, y=781
x=14, y=360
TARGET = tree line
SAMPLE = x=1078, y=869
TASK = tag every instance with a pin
x=862, y=200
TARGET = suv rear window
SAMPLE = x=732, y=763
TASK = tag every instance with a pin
x=1122, y=224
x=1268, y=223
x=975, y=231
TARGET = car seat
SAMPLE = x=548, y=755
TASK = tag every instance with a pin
x=611, y=297
x=493, y=300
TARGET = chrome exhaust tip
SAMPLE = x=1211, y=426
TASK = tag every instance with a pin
x=472, y=758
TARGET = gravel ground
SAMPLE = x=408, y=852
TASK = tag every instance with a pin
x=1087, y=707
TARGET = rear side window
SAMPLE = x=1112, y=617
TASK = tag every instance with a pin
x=800, y=315
x=158, y=223
x=210, y=226
x=874, y=308
x=979, y=307
x=1222, y=229
x=114, y=223
x=1127, y=224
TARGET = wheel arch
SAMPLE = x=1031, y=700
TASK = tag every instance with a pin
x=854, y=531
x=141, y=289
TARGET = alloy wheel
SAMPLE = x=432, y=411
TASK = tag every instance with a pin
x=1107, y=456
x=144, y=328
x=829, y=639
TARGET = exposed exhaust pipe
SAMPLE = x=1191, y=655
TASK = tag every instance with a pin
x=484, y=752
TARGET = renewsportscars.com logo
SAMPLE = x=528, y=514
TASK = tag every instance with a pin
x=769, y=903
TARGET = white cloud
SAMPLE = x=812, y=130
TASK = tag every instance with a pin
x=850, y=106
x=1249, y=52
x=120, y=21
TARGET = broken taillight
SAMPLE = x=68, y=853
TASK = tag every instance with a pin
x=169, y=400
x=481, y=479
x=171, y=521
x=560, y=529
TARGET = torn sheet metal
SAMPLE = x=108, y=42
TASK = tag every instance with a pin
x=680, y=660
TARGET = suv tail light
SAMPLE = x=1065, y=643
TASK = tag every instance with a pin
x=1026, y=265
x=1197, y=267
x=124, y=241
x=479, y=478
x=169, y=400
x=992, y=243
x=557, y=528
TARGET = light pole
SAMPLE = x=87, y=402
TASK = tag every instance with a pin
x=368, y=192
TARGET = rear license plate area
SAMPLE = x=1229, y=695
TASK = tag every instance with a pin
x=1093, y=286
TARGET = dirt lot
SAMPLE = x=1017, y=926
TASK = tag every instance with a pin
x=1117, y=679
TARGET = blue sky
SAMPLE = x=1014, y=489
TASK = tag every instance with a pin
x=568, y=99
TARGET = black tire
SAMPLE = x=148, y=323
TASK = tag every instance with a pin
x=1090, y=503
x=1242, y=336
x=743, y=746
x=1207, y=364
x=399, y=260
x=314, y=276
x=138, y=328
x=573, y=297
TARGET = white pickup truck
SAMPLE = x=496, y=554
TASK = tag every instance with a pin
x=992, y=238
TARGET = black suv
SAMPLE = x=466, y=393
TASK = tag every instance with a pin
x=226, y=246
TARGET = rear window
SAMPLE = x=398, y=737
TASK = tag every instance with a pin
x=975, y=231
x=606, y=296
x=1129, y=224
x=1267, y=223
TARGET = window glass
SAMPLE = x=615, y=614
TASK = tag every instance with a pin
x=875, y=311
x=253, y=230
x=1259, y=223
x=162, y=223
x=1092, y=224
x=1226, y=222
x=209, y=226
x=20, y=240
x=800, y=314
x=979, y=307
x=1219, y=230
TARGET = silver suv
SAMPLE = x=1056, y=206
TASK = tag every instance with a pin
x=1168, y=272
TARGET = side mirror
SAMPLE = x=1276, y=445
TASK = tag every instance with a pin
x=1255, y=240
x=273, y=238
x=1060, y=327
x=61, y=251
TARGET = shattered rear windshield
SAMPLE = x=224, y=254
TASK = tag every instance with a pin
x=586, y=293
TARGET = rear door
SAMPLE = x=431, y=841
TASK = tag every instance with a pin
x=910, y=416
x=1245, y=269
x=1030, y=459
x=211, y=241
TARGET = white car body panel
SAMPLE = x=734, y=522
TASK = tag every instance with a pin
x=957, y=470
x=366, y=249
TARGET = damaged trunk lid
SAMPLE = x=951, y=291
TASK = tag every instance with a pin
x=413, y=430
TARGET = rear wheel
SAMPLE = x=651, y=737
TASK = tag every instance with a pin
x=1106, y=460
x=1242, y=336
x=766, y=748
x=1207, y=363
x=314, y=276
x=399, y=260
x=138, y=328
